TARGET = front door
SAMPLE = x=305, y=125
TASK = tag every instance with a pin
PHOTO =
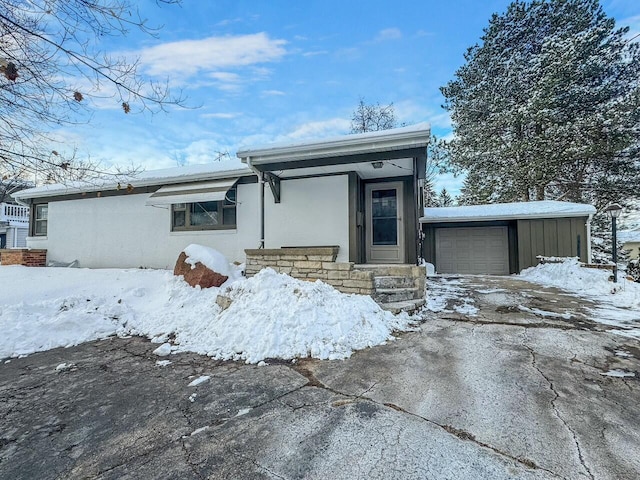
x=385, y=229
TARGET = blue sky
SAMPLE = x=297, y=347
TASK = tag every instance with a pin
x=256, y=72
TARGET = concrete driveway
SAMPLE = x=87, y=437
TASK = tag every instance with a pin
x=519, y=386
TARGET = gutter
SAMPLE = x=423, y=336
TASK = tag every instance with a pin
x=261, y=181
x=148, y=182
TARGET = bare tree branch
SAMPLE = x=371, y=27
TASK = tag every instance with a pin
x=51, y=65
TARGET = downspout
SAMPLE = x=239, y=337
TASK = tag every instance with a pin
x=261, y=181
x=589, y=238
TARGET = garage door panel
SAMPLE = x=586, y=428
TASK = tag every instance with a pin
x=472, y=250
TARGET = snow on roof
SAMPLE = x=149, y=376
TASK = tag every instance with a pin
x=405, y=137
x=191, y=173
x=506, y=211
x=629, y=236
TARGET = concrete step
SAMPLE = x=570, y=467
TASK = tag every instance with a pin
x=399, y=270
x=386, y=295
x=409, y=306
x=393, y=282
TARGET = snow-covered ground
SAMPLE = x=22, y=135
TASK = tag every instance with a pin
x=272, y=315
x=619, y=302
x=448, y=296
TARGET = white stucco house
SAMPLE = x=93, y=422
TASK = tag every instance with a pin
x=360, y=193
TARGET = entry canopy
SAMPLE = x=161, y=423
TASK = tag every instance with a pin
x=340, y=153
x=214, y=191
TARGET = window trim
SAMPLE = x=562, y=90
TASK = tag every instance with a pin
x=221, y=206
x=36, y=220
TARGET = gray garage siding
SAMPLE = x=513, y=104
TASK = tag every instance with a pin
x=558, y=237
x=551, y=237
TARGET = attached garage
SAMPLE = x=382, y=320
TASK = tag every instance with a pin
x=472, y=250
x=500, y=239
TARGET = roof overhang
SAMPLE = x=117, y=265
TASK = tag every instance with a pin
x=506, y=211
x=398, y=143
x=151, y=179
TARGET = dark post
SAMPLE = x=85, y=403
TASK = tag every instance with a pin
x=614, y=250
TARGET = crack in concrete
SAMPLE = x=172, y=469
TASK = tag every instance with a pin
x=460, y=434
x=464, y=435
x=556, y=411
x=135, y=457
x=246, y=457
x=185, y=451
x=477, y=321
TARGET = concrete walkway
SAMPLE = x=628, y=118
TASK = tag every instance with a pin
x=516, y=389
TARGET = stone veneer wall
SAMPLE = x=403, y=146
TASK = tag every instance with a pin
x=24, y=256
x=312, y=263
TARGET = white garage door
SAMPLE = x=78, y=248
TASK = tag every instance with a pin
x=474, y=250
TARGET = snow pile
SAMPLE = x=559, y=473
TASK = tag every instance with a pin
x=619, y=303
x=212, y=259
x=569, y=275
x=275, y=315
x=272, y=315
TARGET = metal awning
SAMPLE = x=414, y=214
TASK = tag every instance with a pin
x=214, y=191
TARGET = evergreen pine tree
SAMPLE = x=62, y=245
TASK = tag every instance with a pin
x=444, y=199
x=548, y=106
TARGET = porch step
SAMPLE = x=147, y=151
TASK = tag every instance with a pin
x=390, y=295
x=393, y=282
x=409, y=306
x=394, y=270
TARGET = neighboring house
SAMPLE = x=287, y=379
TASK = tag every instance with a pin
x=505, y=238
x=630, y=240
x=14, y=225
x=358, y=192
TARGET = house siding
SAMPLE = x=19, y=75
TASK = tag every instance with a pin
x=121, y=231
x=314, y=212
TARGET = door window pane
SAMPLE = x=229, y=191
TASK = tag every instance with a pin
x=384, y=217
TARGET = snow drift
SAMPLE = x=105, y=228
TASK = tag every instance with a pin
x=272, y=315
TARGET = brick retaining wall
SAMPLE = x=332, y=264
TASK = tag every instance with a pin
x=24, y=256
x=312, y=263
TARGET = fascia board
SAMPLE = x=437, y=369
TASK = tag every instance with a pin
x=196, y=177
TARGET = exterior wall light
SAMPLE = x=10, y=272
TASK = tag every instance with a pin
x=377, y=164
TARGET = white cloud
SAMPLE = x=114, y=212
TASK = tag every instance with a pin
x=318, y=129
x=349, y=53
x=314, y=53
x=424, y=33
x=228, y=21
x=388, y=34
x=225, y=76
x=273, y=93
x=408, y=111
x=188, y=57
x=224, y=115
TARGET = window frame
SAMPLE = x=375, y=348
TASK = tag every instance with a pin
x=39, y=220
x=222, y=205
